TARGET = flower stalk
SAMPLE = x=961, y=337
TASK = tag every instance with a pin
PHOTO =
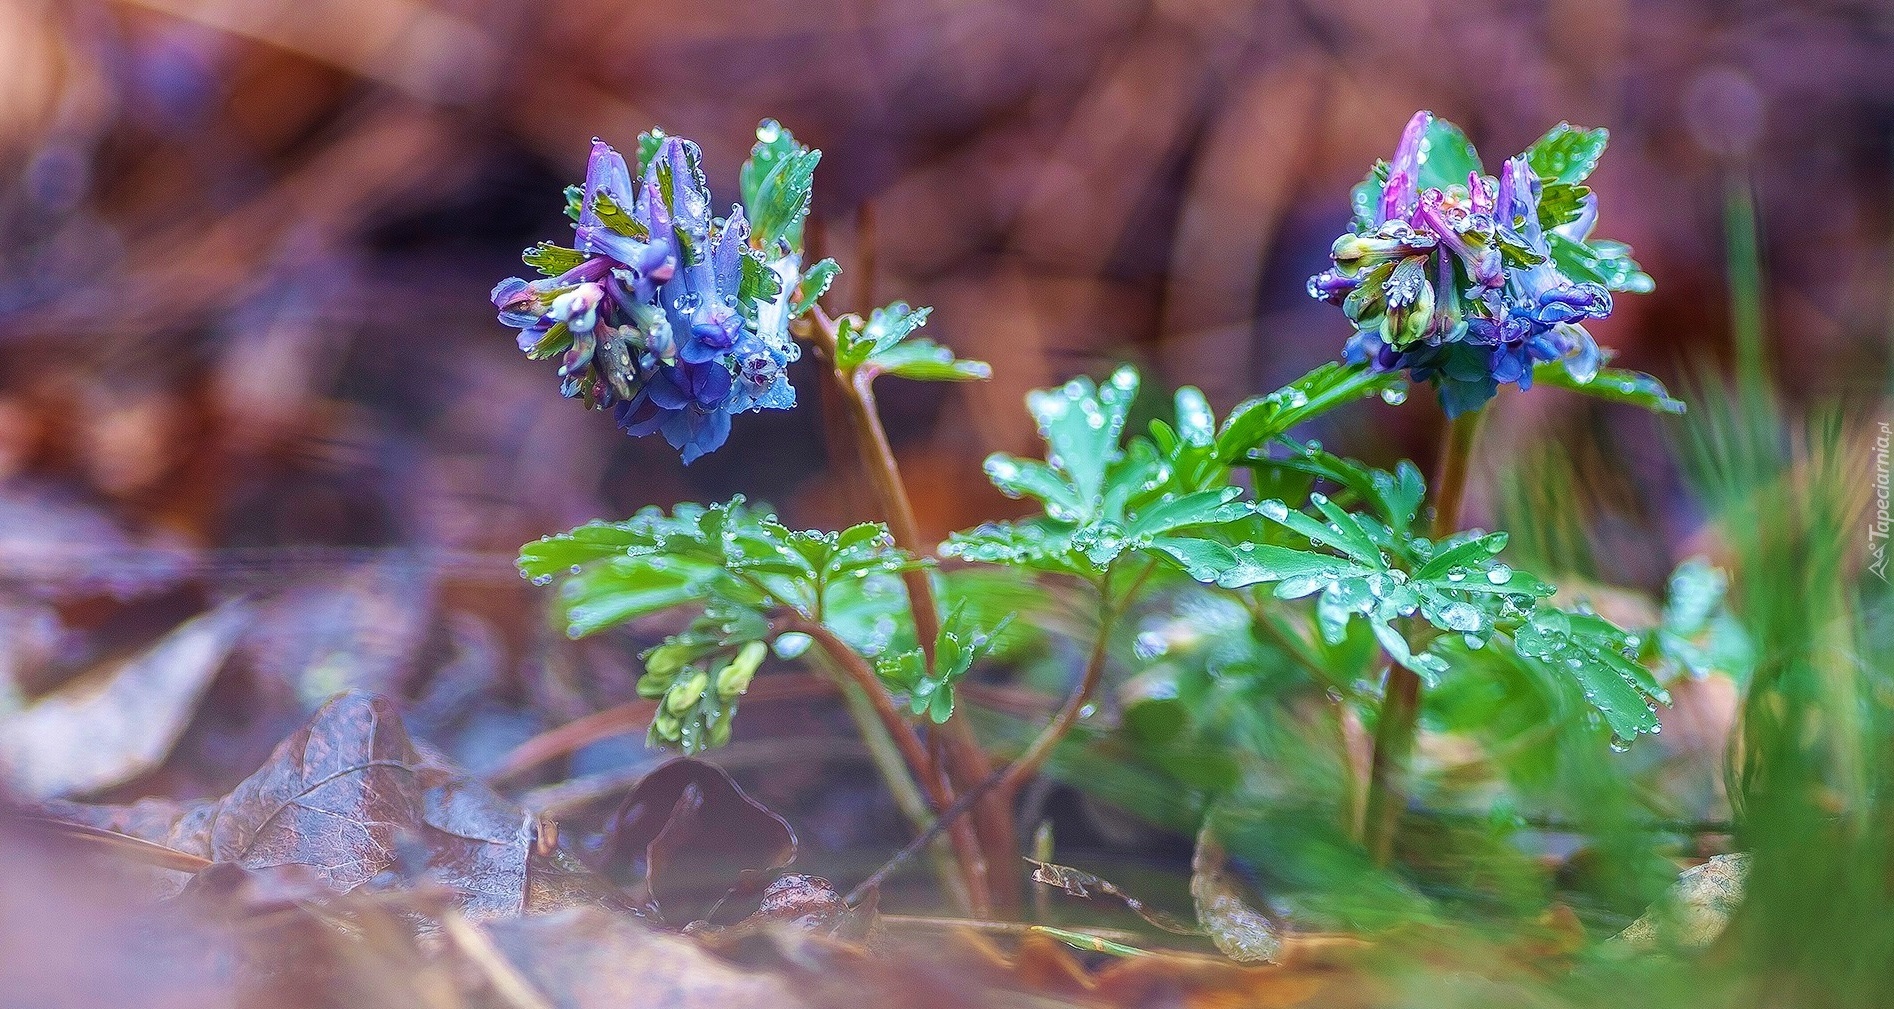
x=962, y=764
x=1401, y=699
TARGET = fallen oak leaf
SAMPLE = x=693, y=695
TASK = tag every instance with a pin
x=351, y=797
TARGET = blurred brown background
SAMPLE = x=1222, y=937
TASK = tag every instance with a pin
x=245, y=249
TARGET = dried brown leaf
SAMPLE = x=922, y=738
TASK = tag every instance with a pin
x=694, y=837
x=95, y=733
x=351, y=798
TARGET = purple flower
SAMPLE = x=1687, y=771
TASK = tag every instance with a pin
x=1469, y=285
x=649, y=312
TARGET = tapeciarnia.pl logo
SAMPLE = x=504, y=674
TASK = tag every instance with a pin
x=1878, y=525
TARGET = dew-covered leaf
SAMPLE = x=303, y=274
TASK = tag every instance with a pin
x=814, y=284
x=1617, y=385
x=1259, y=420
x=1567, y=153
x=1447, y=157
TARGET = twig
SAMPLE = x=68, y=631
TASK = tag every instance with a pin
x=136, y=848
x=500, y=973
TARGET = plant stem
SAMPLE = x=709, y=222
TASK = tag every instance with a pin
x=973, y=866
x=1008, y=779
x=1400, y=701
x=894, y=771
x=1036, y=753
x=965, y=763
x=885, y=474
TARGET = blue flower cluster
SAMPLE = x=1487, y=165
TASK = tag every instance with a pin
x=666, y=315
x=1470, y=284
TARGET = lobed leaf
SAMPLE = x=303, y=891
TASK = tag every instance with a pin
x=1567, y=153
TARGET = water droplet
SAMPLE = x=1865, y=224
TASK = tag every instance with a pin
x=542, y=580
x=1457, y=575
x=574, y=569
x=687, y=303
x=1619, y=744
x=1394, y=395
x=1499, y=574
x=1274, y=509
x=1150, y=645
x=769, y=131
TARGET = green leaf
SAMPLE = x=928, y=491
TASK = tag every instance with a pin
x=922, y=360
x=727, y=555
x=782, y=199
x=1617, y=385
x=1474, y=551
x=1082, y=423
x=1394, y=496
x=774, y=145
x=1208, y=507
x=648, y=144
x=1204, y=560
x=814, y=284
x=1561, y=204
x=1196, y=425
x=1601, y=262
x=1261, y=563
x=553, y=343
x=1590, y=650
x=1567, y=153
x=1016, y=477
x=957, y=647
x=1346, y=537
x=552, y=260
x=885, y=328
x=1263, y=418
x=757, y=283
x=1447, y=157
x=1365, y=198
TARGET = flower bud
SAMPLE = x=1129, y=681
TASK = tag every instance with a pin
x=1410, y=303
x=687, y=692
x=652, y=686
x=734, y=678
